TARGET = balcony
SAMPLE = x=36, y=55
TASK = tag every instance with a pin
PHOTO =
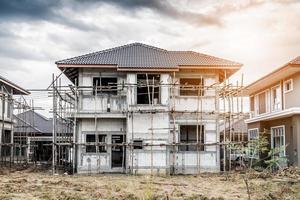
x=101, y=106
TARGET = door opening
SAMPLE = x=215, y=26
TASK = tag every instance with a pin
x=117, y=151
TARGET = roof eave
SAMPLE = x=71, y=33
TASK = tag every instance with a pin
x=17, y=90
x=151, y=69
x=237, y=67
x=250, y=89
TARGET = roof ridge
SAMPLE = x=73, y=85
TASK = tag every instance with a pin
x=112, y=49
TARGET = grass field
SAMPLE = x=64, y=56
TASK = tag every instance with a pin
x=29, y=184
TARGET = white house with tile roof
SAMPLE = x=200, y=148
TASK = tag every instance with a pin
x=139, y=110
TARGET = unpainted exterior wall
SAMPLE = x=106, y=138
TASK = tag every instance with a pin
x=6, y=108
x=155, y=128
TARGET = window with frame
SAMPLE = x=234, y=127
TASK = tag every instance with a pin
x=188, y=135
x=191, y=87
x=107, y=85
x=148, y=88
x=278, y=141
x=90, y=148
x=288, y=85
x=253, y=136
x=276, y=98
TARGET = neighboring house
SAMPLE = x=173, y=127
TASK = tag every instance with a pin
x=275, y=110
x=141, y=102
x=34, y=132
x=7, y=90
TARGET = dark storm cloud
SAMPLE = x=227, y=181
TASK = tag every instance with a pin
x=45, y=10
x=49, y=10
x=39, y=10
x=34, y=9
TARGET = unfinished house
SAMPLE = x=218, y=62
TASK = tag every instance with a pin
x=8, y=89
x=143, y=109
x=275, y=110
x=34, y=132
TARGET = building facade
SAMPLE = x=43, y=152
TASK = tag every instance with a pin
x=8, y=90
x=142, y=109
x=275, y=111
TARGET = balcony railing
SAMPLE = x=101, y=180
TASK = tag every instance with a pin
x=102, y=104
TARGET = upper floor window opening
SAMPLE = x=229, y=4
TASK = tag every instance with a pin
x=148, y=88
x=191, y=87
x=108, y=85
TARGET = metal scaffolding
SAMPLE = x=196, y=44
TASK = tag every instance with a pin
x=229, y=102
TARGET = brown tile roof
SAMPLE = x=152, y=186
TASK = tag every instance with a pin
x=138, y=55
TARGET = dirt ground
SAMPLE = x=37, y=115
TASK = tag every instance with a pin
x=31, y=184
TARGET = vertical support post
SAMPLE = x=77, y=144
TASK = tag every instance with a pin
x=174, y=123
x=2, y=127
x=224, y=134
x=152, y=123
x=242, y=103
x=74, y=160
x=54, y=126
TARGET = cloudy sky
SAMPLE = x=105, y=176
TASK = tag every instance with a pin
x=261, y=34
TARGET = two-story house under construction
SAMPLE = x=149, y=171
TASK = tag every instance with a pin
x=143, y=109
x=7, y=90
x=275, y=110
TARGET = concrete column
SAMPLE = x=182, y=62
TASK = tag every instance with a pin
x=131, y=92
x=164, y=89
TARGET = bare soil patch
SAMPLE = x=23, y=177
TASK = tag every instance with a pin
x=31, y=184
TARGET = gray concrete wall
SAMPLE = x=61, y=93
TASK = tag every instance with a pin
x=155, y=128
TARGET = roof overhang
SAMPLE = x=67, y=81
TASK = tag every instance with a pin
x=273, y=77
x=71, y=71
x=17, y=90
x=275, y=115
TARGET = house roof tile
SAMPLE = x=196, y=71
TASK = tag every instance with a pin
x=138, y=55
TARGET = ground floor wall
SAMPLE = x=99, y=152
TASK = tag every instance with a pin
x=291, y=126
x=6, y=139
x=147, y=144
